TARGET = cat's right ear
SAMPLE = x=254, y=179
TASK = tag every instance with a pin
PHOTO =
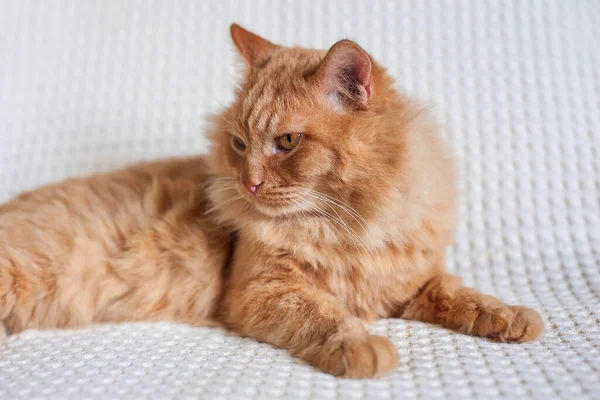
x=252, y=48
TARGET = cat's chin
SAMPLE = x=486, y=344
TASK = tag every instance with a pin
x=276, y=211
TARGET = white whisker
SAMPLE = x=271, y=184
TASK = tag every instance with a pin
x=223, y=189
x=351, y=232
x=308, y=208
x=330, y=201
x=217, y=206
x=214, y=180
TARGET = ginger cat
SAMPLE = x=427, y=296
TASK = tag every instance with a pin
x=332, y=189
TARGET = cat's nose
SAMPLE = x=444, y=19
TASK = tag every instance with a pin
x=252, y=185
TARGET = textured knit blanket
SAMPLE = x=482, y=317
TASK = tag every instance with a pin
x=88, y=85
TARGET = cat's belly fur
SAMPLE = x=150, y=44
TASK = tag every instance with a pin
x=130, y=245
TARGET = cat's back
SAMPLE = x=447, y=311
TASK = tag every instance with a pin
x=103, y=206
x=87, y=241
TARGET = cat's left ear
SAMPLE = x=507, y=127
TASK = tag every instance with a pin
x=345, y=75
x=252, y=47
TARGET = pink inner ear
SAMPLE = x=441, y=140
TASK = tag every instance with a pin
x=361, y=68
x=348, y=75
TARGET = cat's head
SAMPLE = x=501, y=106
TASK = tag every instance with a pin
x=307, y=128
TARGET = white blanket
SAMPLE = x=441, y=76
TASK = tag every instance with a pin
x=91, y=85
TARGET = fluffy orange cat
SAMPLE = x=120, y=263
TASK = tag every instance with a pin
x=327, y=200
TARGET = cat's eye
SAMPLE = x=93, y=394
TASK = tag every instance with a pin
x=238, y=143
x=288, y=142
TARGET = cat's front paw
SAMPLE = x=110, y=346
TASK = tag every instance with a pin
x=512, y=324
x=364, y=357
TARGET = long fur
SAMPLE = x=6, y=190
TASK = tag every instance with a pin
x=349, y=226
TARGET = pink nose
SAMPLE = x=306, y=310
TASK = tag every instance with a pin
x=252, y=186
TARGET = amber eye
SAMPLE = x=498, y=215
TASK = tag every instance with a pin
x=288, y=141
x=238, y=143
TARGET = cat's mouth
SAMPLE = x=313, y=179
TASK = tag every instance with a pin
x=277, y=202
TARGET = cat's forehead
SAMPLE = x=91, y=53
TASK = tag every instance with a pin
x=269, y=116
x=275, y=91
x=288, y=61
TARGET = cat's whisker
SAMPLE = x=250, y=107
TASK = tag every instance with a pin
x=339, y=203
x=340, y=220
x=209, y=182
x=331, y=217
x=351, y=211
x=226, y=178
x=343, y=205
x=229, y=202
x=219, y=190
x=330, y=200
x=246, y=206
x=351, y=232
x=223, y=188
x=308, y=207
x=329, y=203
x=356, y=240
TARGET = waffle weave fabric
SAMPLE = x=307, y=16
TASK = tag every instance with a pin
x=87, y=86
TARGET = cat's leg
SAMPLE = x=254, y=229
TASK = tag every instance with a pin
x=445, y=301
x=281, y=308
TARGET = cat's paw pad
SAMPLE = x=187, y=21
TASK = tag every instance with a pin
x=511, y=324
x=363, y=357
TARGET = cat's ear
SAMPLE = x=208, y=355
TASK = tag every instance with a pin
x=344, y=75
x=253, y=48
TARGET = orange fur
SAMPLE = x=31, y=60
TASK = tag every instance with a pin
x=349, y=226
x=130, y=245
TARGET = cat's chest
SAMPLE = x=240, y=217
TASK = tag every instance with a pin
x=371, y=286
x=371, y=283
